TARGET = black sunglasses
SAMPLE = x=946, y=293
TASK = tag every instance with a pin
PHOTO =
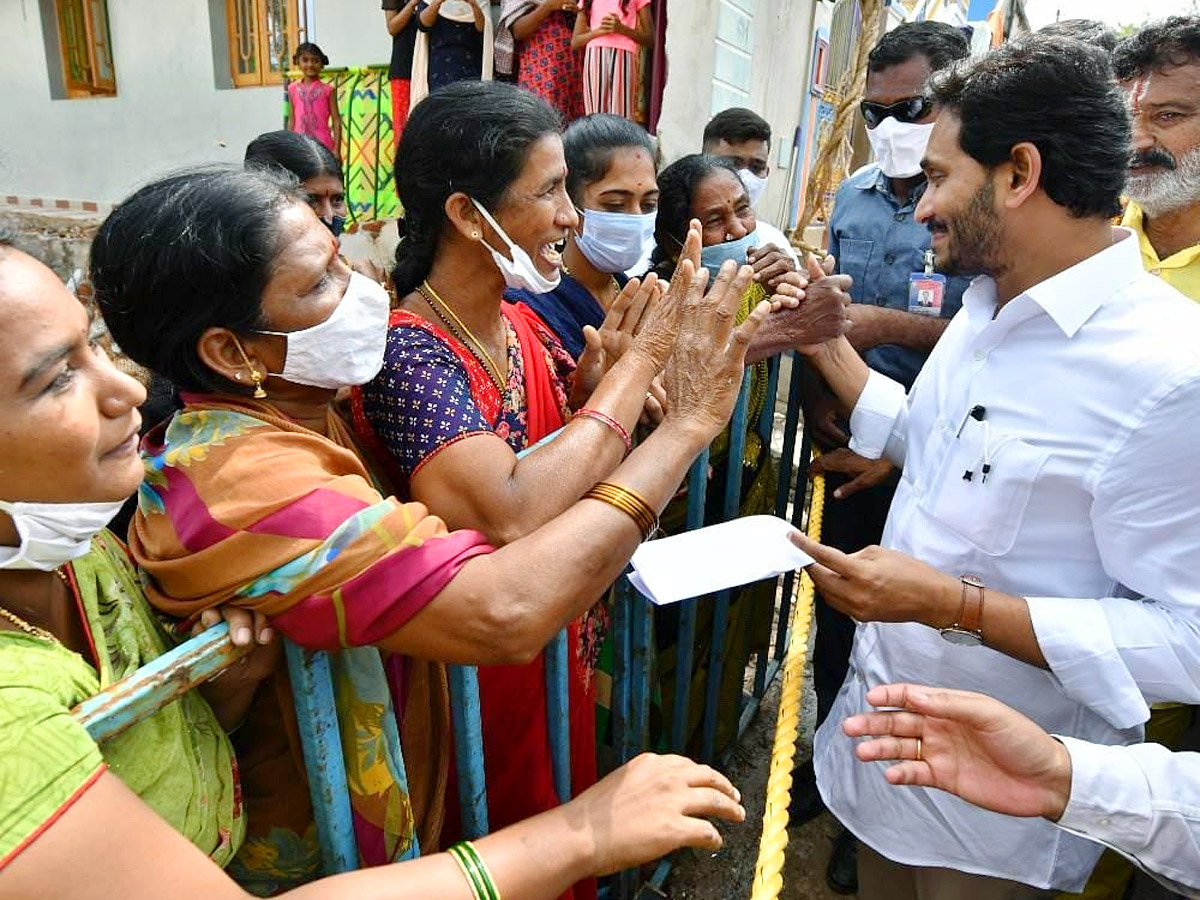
x=909, y=110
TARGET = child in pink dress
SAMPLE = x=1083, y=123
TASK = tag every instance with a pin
x=313, y=107
x=614, y=33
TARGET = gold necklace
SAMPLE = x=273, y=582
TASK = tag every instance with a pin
x=462, y=333
x=33, y=629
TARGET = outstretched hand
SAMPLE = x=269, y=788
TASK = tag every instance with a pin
x=652, y=806
x=966, y=744
x=705, y=371
x=864, y=473
x=639, y=308
x=822, y=316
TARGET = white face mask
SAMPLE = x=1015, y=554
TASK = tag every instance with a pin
x=899, y=146
x=347, y=348
x=614, y=242
x=520, y=273
x=53, y=534
x=754, y=185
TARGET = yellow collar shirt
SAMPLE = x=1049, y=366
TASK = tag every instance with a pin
x=1180, y=270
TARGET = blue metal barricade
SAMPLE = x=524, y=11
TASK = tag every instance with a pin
x=156, y=684
x=200, y=658
x=790, y=502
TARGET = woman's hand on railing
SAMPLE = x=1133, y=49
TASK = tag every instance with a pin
x=652, y=806
x=231, y=691
x=705, y=371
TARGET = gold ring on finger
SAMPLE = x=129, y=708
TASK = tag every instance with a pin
x=919, y=749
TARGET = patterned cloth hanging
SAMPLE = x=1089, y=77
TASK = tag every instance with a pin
x=368, y=142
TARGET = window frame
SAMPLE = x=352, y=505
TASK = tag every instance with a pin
x=97, y=47
x=256, y=14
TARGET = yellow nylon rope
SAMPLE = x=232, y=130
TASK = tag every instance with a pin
x=768, y=872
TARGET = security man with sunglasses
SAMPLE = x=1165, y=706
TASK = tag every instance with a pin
x=900, y=310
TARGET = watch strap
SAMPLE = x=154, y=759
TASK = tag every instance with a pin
x=970, y=617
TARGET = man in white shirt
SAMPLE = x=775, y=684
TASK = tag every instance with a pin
x=1142, y=801
x=1047, y=520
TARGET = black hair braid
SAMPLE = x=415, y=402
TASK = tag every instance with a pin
x=414, y=255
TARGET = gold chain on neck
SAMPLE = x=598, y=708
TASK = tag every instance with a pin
x=462, y=333
x=33, y=629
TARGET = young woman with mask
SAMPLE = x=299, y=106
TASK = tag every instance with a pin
x=469, y=381
x=320, y=177
x=313, y=165
x=153, y=809
x=228, y=284
x=611, y=181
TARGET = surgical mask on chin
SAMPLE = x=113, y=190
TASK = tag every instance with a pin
x=713, y=257
x=754, y=185
x=347, y=348
x=614, y=242
x=519, y=273
x=899, y=146
x=53, y=534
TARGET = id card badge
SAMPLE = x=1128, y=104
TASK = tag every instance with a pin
x=926, y=290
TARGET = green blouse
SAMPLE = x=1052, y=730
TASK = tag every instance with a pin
x=179, y=761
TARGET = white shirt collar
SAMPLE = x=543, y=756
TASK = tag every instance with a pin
x=1071, y=296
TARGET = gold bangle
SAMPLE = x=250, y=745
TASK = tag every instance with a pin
x=629, y=502
x=618, y=500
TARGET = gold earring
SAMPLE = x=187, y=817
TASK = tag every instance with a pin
x=255, y=375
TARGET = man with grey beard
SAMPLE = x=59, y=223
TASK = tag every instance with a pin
x=1159, y=68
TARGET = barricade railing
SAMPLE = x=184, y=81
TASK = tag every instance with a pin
x=200, y=658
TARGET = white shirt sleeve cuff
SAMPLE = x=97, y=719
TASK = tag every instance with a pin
x=1110, y=799
x=1075, y=639
x=875, y=415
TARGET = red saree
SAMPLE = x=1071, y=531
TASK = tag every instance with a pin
x=513, y=698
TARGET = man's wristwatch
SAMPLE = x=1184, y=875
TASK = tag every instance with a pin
x=967, y=630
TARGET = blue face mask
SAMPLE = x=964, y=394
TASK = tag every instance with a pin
x=713, y=257
x=337, y=225
x=615, y=242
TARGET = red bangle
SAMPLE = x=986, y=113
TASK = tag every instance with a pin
x=612, y=423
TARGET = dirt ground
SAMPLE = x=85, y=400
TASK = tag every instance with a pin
x=728, y=873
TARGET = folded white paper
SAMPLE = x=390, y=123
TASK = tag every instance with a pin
x=715, y=558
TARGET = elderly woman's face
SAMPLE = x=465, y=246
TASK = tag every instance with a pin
x=68, y=419
x=723, y=208
x=308, y=283
x=536, y=212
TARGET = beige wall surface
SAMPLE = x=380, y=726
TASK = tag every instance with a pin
x=783, y=32
x=168, y=112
